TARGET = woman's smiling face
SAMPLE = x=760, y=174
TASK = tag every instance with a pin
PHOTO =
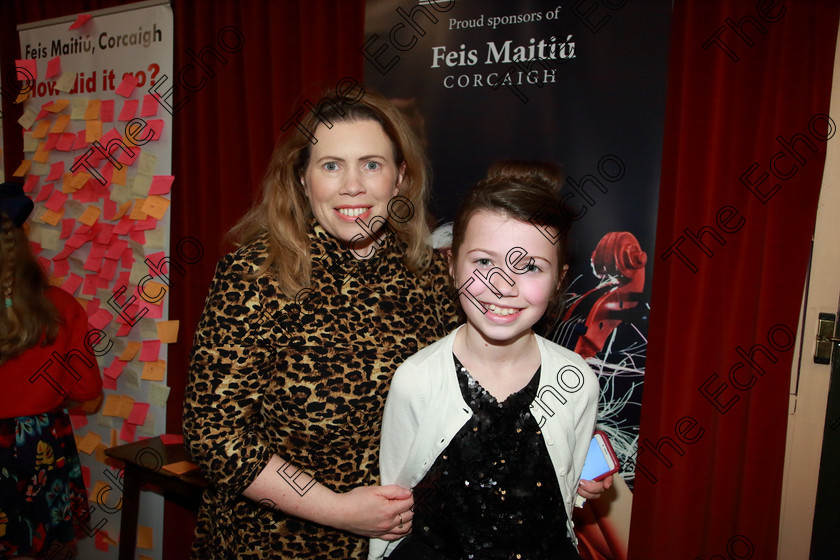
x=351, y=175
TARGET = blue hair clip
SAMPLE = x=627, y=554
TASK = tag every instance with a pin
x=8, y=302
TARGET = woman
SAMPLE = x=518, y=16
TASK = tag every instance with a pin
x=332, y=286
x=43, y=362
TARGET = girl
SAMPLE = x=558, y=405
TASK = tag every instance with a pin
x=490, y=425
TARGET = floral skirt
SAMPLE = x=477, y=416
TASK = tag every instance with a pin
x=42, y=492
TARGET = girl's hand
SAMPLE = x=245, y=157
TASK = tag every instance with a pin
x=592, y=489
x=383, y=512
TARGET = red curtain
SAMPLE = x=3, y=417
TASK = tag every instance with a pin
x=745, y=139
x=223, y=134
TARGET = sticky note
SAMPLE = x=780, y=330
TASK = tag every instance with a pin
x=80, y=21
x=141, y=186
x=41, y=154
x=27, y=119
x=128, y=432
x=99, y=491
x=30, y=143
x=114, y=370
x=147, y=163
x=126, y=87
x=180, y=467
x=78, y=421
x=91, y=215
x=150, y=106
x=59, y=125
x=150, y=350
x=31, y=183
x=168, y=331
x=158, y=394
x=156, y=206
x=92, y=110
x=53, y=67
x=154, y=371
x=71, y=283
x=77, y=112
x=138, y=413
x=22, y=168
x=56, y=106
x=65, y=82
x=129, y=109
x=125, y=406
x=27, y=69
x=65, y=143
x=111, y=405
x=89, y=442
x=145, y=537
x=130, y=351
x=41, y=130
x=106, y=110
x=93, y=130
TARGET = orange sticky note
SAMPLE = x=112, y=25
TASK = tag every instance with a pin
x=58, y=106
x=136, y=210
x=111, y=406
x=167, y=330
x=51, y=217
x=156, y=206
x=122, y=209
x=130, y=351
x=154, y=371
x=120, y=175
x=90, y=216
x=100, y=453
x=125, y=406
x=60, y=123
x=89, y=442
x=93, y=130
x=78, y=181
x=41, y=154
x=145, y=537
x=180, y=467
x=23, y=168
x=92, y=110
x=100, y=486
x=42, y=129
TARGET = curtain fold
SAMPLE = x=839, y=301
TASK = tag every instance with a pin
x=746, y=127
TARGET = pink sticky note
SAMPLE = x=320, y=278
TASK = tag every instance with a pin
x=129, y=109
x=67, y=228
x=65, y=143
x=100, y=319
x=127, y=85
x=57, y=200
x=80, y=21
x=150, y=350
x=52, y=140
x=91, y=284
x=27, y=69
x=169, y=439
x=114, y=370
x=31, y=183
x=161, y=184
x=138, y=237
x=150, y=106
x=99, y=538
x=54, y=67
x=109, y=269
x=81, y=140
x=78, y=421
x=92, y=263
x=71, y=283
x=45, y=192
x=138, y=413
x=60, y=267
x=106, y=110
x=108, y=383
x=56, y=171
x=124, y=330
x=127, y=432
x=156, y=127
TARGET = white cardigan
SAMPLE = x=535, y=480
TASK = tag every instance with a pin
x=425, y=410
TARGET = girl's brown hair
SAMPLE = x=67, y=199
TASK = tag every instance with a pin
x=284, y=213
x=31, y=314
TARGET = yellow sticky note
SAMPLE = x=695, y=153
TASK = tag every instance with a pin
x=60, y=123
x=131, y=349
x=92, y=111
x=167, y=330
x=65, y=82
x=90, y=215
x=58, y=106
x=154, y=371
x=42, y=129
x=156, y=206
x=145, y=537
x=89, y=442
x=51, y=217
x=93, y=130
x=22, y=168
x=28, y=118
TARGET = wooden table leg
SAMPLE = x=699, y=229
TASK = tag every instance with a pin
x=130, y=507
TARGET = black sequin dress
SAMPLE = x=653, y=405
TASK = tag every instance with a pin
x=492, y=494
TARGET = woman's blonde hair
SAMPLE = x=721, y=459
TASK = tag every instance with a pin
x=31, y=314
x=284, y=213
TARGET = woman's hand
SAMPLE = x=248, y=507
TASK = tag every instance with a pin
x=383, y=512
x=592, y=489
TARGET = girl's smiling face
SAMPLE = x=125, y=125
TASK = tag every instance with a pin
x=518, y=261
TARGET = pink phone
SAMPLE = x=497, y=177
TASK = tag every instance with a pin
x=601, y=460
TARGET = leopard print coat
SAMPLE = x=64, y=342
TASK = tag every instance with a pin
x=305, y=380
